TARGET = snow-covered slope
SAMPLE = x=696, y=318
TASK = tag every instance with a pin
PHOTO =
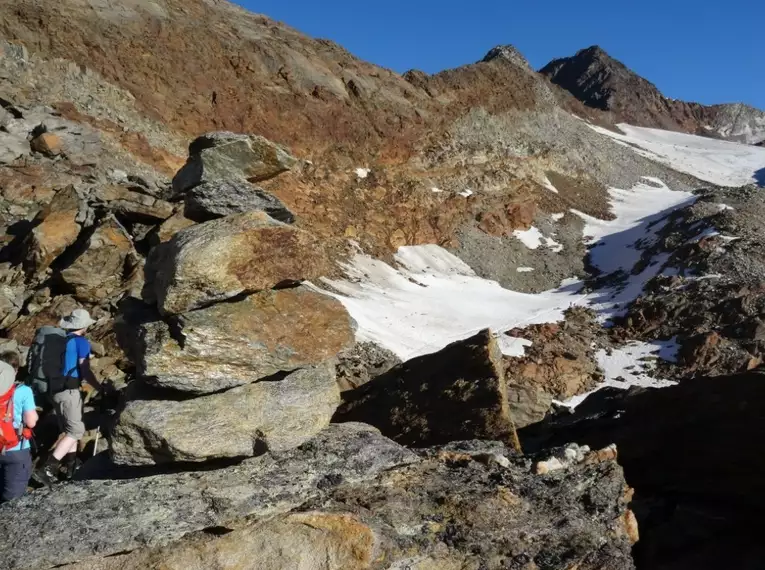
x=719, y=162
x=433, y=299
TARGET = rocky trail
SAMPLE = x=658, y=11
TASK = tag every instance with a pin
x=357, y=320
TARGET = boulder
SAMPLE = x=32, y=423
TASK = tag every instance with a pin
x=100, y=270
x=56, y=228
x=220, y=198
x=12, y=147
x=224, y=155
x=224, y=258
x=48, y=144
x=99, y=518
x=237, y=343
x=466, y=506
x=456, y=393
x=241, y=422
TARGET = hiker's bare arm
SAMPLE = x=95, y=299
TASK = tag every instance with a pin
x=30, y=418
x=87, y=373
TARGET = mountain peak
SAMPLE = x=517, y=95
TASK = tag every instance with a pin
x=508, y=53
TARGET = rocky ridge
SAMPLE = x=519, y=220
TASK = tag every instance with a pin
x=602, y=82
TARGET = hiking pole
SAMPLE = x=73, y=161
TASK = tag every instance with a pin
x=98, y=435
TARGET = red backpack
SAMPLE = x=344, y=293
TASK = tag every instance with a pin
x=9, y=437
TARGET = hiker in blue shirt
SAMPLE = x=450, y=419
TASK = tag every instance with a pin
x=16, y=460
x=66, y=396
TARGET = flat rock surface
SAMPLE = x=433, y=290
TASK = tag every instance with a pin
x=273, y=415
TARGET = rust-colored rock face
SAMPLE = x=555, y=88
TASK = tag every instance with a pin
x=236, y=343
x=222, y=258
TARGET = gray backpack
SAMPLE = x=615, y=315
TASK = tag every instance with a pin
x=46, y=358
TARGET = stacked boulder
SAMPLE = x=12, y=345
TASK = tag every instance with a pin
x=235, y=355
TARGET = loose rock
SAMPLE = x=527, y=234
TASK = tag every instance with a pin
x=220, y=198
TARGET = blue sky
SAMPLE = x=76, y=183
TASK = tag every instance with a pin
x=699, y=50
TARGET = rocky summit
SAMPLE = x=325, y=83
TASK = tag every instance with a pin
x=488, y=318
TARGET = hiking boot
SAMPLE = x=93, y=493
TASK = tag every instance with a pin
x=69, y=465
x=47, y=473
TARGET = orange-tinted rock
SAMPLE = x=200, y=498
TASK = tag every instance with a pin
x=48, y=144
x=223, y=258
x=56, y=229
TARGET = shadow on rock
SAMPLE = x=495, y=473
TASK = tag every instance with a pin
x=690, y=451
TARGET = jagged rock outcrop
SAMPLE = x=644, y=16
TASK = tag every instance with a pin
x=106, y=263
x=241, y=422
x=223, y=258
x=223, y=155
x=219, y=198
x=348, y=498
x=235, y=343
x=456, y=393
x=99, y=518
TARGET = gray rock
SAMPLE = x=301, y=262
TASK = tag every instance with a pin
x=224, y=197
x=100, y=518
x=12, y=147
x=236, y=343
x=457, y=393
x=224, y=155
x=363, y=362
x=241, y=422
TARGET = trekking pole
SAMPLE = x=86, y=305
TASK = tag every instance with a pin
x=98, y=435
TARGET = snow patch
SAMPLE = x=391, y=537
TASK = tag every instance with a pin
x=558, y=217
x=534, y=239
x=626, y=366
x=436, y=190
x=466, y=193
x=512, y=346
x=720, y=162
x=525, y=269
x=362, y=173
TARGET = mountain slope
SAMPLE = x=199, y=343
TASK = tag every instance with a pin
x=604, y=83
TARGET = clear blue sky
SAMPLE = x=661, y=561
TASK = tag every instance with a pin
x=710, y=51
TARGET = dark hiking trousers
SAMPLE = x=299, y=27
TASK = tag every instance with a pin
x=15, y=471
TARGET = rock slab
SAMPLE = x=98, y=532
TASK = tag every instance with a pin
x=241, y=422
x=223, y=258
x=456, y=393
x=236, y=343
x=99, y=518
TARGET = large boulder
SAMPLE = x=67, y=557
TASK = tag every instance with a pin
x=241, y=422
x=224, y=155
x=456, y=393
x=221, y=198
x=692, y=453
x=107, y=260
x=223, y=258
x=56, y=227
x=237, y=343
x=467, y=506
x=99, y=518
